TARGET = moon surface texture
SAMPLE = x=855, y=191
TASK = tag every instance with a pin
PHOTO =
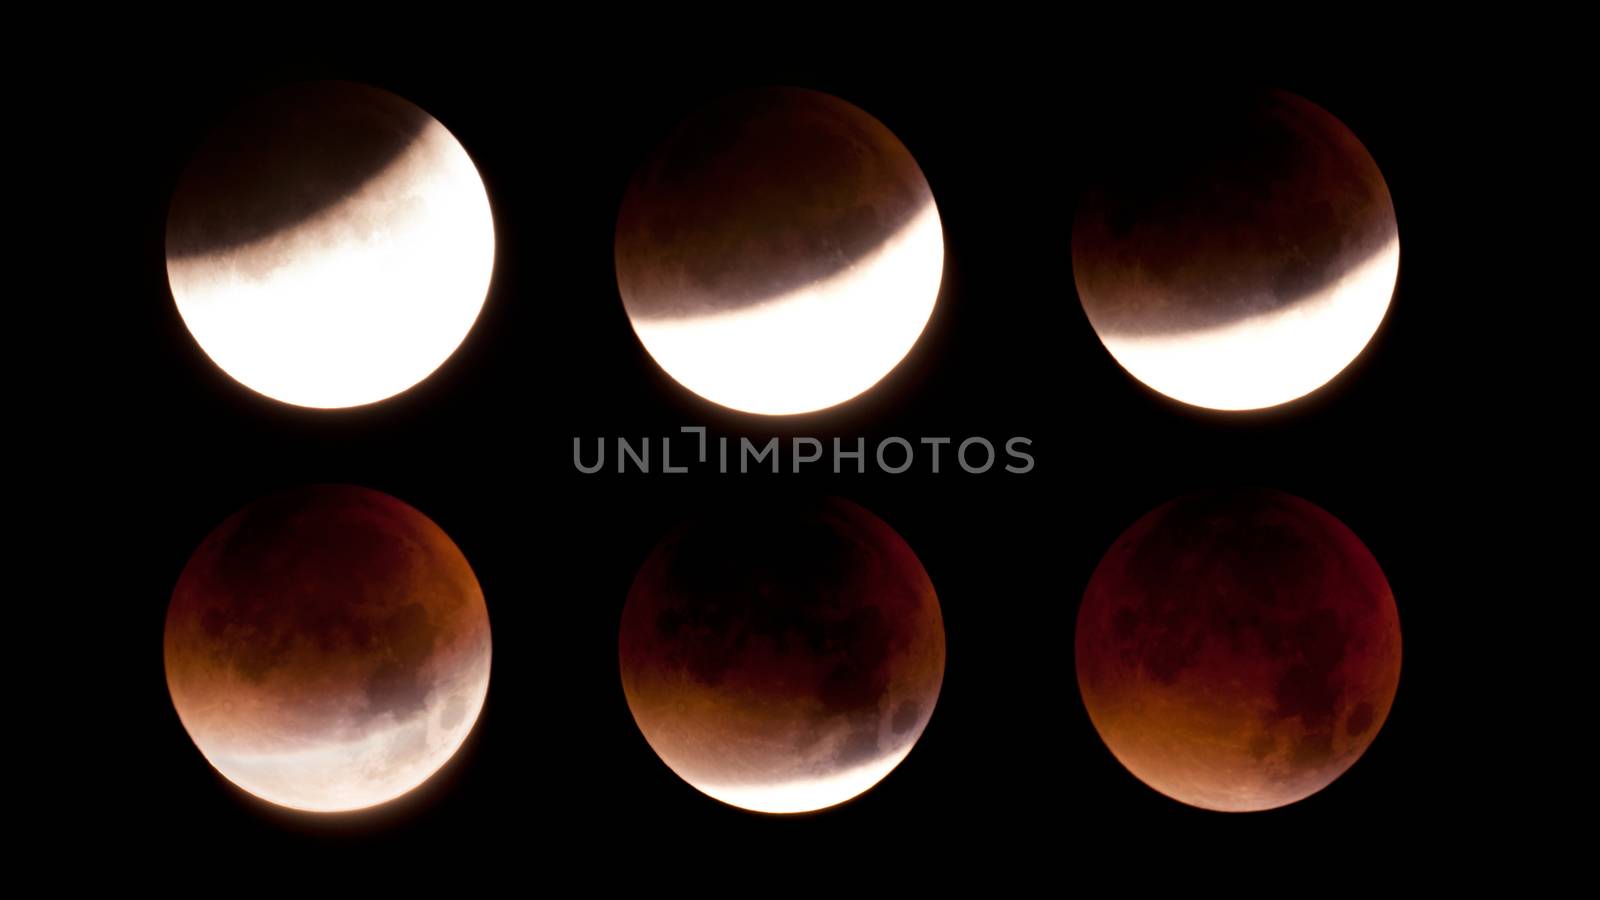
x=329, y=245
x=782, y=658
x=1238, y=650
x=780, y=252
x=1236, y=254
x=327, y=648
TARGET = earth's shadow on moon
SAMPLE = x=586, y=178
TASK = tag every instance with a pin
x=284, y=156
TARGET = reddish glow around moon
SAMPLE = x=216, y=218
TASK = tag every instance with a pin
x=327, y=648
x=782, y=657
x=1238, y=650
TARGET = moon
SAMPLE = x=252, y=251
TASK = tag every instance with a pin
x=1236, y=253
x=1238, y=650
x=780, y=252
x=327, y=648
x=329, y=245
x=784, y=657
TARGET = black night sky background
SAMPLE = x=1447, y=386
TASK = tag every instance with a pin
x=1010, y=780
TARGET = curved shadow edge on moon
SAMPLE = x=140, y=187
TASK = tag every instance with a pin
x=1238, y=650
x=1245, y=269
x=1272, y=358
x=817, y=347
x=284, y=157
x=757, y=195
x=327, y=648
x=782, y=660
x=780, y=253
x=336, y=277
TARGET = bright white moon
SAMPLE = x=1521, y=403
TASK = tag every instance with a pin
x=817, y=345
x=806, y=794
x=330, y=246
x=1237, y=252
x=780, y=253
x=1271, y=358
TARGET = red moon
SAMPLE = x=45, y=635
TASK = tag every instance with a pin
x=1238, y=650
x=784, y=657
x=327, y=648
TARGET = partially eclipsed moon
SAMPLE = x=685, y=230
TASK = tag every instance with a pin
x=782, y=657
x=780, y=252
x=330, y=245
x=327, y=648
x=1236, y=254
x=1238, y=650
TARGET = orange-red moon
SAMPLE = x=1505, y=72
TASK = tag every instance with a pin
x=1238, y=650
x=327, y=648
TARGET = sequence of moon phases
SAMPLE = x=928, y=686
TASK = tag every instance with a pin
x=329, y=245
x=327, y=648
x=1236, y=252
x=784, y=657
x=780, y=252
x=1238, y=650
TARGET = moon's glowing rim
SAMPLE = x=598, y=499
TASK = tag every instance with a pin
x=821, y=344
x=798, y=787
x=804, y=795
x=255, y=774
x=1273, y=358
x=351, y=311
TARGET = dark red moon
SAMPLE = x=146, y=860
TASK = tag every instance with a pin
x=1238, y=650
x=782, y=657
x=327, y=648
